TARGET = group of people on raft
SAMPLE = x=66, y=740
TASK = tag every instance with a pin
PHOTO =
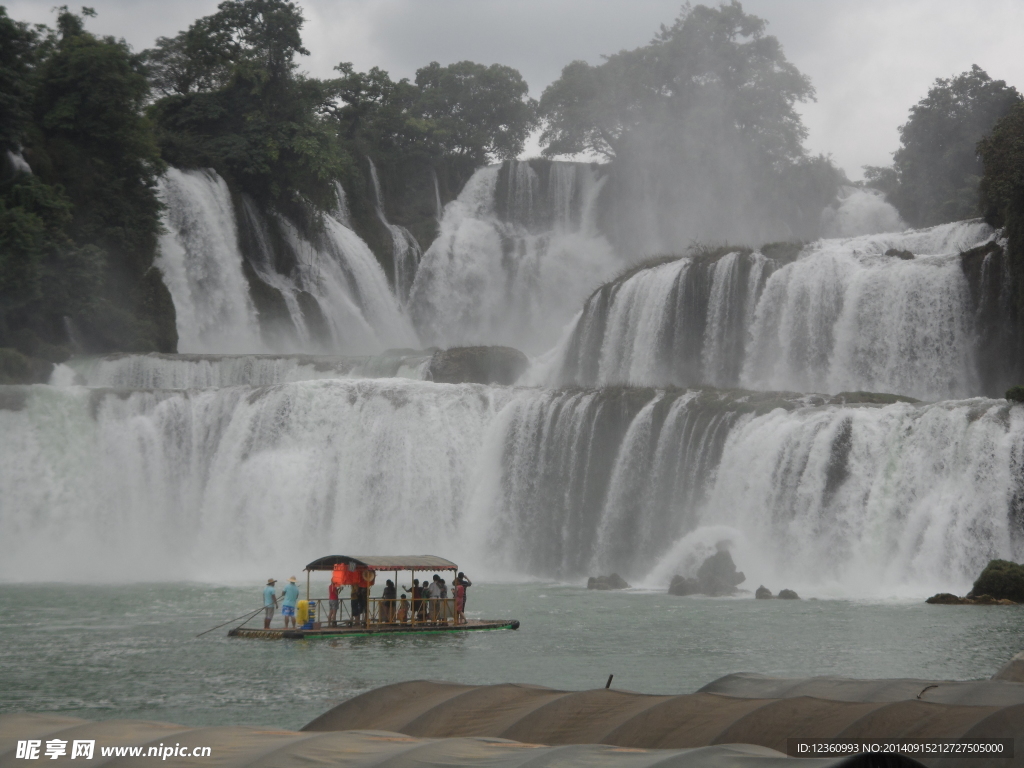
x=422, y=603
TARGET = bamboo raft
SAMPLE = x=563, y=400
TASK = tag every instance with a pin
x=377, y=629
x=377, y=615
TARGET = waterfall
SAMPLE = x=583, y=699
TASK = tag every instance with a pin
x=405, y=250
x=438, y=208
x=517, y=254
x=159, y=371
x=853, y=499
x=840, y=315
x=342, y=213
x=242, y=282
x=202, y=265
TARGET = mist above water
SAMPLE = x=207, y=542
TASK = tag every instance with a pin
x=219, y=483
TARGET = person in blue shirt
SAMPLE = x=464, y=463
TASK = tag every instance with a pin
x=269, y=603
x=290, y=598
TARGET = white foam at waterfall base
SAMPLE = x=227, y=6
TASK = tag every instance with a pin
x=920, y=504
x=858, y=501
x=202, y=265
x=227, y=483
x=491, y=281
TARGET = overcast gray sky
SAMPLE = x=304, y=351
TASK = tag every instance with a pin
x=869, y=60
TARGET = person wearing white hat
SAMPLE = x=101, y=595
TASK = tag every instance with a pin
x=290, y=600
x=269, y=603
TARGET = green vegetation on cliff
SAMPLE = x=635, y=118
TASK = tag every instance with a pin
x=936, y=171
x=78, y=231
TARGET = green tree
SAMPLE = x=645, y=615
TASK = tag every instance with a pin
x=702, y=133
x=236, y=103
x=476, y=111
x=1002, y=188
x=78, y=233
x=716, y=65
x=936, y=171
x=17, y=56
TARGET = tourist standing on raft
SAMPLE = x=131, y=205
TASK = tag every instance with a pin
x=269, y=603
x=290, y=600
x=332, y=604
x=416, y=593
x=461, y=584
x=388, y=604
x=403, y=610
x=354, y=594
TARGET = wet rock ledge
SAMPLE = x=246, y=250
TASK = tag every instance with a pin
x=477, y=365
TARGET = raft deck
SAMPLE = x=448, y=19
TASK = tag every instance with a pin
x=374, y=629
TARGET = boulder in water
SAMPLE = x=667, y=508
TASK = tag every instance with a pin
x=682, y=586
x=1002, y=580
x=788, y=594
x=716, y=577
x=614, y=581
x=477, y=365
x=1015, y=394
x=763, y=593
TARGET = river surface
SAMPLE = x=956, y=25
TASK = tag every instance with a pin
x=131, y=651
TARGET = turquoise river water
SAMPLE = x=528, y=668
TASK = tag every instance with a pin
x=131, y=651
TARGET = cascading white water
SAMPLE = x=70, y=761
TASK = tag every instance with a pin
x=336, y=299
x=202, y=265
x=405, y=249
x=848, y=317
x=156, y=371
x=860, y=212
x=856, y=500
x=517, y=254
x=843, y=316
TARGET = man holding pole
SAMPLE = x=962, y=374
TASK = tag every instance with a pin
x=269, y=602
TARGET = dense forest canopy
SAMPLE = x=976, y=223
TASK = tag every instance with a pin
x=936, y=171
x=702, y=126
x=78, y=234
x=699, y=131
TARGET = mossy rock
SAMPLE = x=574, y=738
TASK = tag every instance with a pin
x=16, y=368
x=788, y=594
x=946, y=598
x=1001, y=580
x=1015, y=394
x=763, y=593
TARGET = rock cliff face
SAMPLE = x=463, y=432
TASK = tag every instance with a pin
x=477, y=365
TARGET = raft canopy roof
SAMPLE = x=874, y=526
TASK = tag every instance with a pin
x=385, y=563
